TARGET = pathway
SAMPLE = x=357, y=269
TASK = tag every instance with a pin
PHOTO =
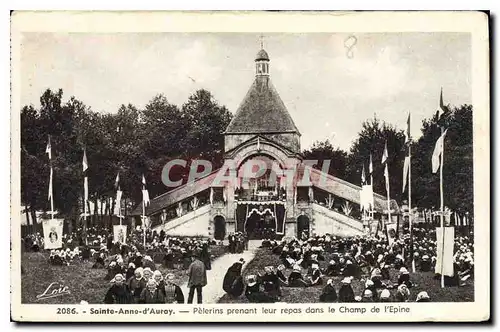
x=213, y=291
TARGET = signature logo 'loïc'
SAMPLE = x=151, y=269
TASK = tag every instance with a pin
x=55, y=289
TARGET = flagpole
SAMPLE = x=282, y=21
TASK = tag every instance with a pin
x=410, y=221
x=144, y=222
x=51, y=191
x=442, y=207
x=388, y=203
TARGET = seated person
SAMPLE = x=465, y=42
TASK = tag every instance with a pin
x=329, y=295
x=295, y=278
x=281, y=276
x=403, y=293
x=423, y=297
x=425, y=264
x=346, y=293
x=316, y=275
x=331, y=270
x=233, y=281
x=253, y=291
x=404, y=277
x=369, y=284
x=385, y=295
x=271, y=283
x=99, y=261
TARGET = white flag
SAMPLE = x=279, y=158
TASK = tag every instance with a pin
x=145, y=197
x=85, y=189
x=386, y=175
x=363, y=177
x=48, y=149
x=444, y=251
x=385, y=155
x=371, y=165
x=85, y=164
x=438, y=149
x=406, y=168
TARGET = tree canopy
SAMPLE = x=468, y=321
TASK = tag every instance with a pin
x=134, y=141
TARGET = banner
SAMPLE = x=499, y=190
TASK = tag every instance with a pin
x=374, y=224
x=391, y=232
x=120, y=233
x=52, y=233
x=118, y=200
x=445, y=255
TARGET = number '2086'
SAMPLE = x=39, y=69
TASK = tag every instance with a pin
x=66, y=311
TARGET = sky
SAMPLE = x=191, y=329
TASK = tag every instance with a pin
x=328, y=92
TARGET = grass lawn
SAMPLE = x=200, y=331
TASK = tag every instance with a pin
x=83, y=282
x=425, y=282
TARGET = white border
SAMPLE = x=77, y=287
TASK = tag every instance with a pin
x=476, y=23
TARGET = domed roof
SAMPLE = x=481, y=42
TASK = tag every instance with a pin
x=262, y=55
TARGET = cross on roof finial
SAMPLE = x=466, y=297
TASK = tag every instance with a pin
x=261, y=41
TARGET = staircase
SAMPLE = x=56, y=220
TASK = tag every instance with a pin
x=332, y=222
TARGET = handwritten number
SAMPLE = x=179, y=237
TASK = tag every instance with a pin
x=349, y=44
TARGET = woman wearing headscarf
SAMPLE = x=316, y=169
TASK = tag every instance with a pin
x=253, y=291
x=172, y=292
x=367, y=296
x=316, y=275
x=346, y=293
x=118, y=293
x=281, y=276
x=404, y=277
x=403, y=293
x=385, y=295
x=271, y=283
x=233, y=281
x=138, y=259
x=136, y=284
x=329, y=294
x=370, y=285
x=376, y=277
x=147, y=273
x=151, y=294
x=130, y=271
x=423, y=297
x=295, y=279
x=158, y=277
x=148, y=263
x=169, y=259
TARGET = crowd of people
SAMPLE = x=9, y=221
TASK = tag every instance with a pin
x=139, y=282
x=131, y=267
x=238, y=242
x=334, y=263
x=330, y=263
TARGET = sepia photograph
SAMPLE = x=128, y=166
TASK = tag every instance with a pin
x=198, y=173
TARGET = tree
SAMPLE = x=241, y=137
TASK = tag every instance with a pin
x=371, y=140
x=324, y=151
x=207, y=120
x=458, y=163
